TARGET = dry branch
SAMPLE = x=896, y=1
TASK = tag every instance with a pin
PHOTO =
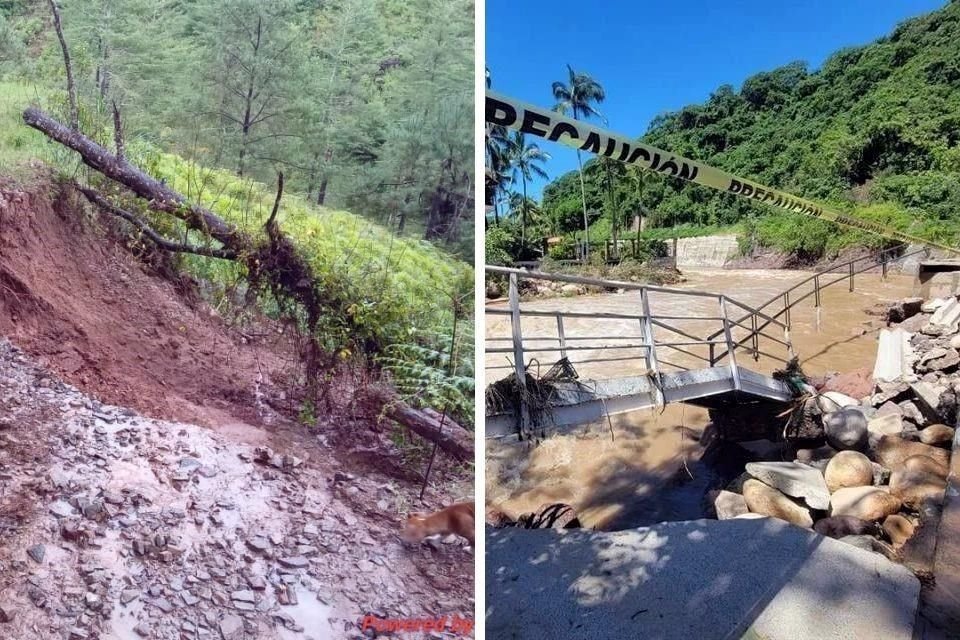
x=149, y=232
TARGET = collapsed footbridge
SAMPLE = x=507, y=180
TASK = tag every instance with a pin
x=558, y=369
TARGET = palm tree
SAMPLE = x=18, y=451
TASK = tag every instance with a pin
x=577, y=98
x=499, y=158
x=525, y=162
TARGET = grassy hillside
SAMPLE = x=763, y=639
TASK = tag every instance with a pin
x=398, y=292
x=875, y=132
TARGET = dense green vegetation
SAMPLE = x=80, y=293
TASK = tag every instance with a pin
x=874, y=132
x=365, y=105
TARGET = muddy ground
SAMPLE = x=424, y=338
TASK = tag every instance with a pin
x=154, y=481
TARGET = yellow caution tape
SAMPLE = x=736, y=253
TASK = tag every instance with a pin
x=555, y=127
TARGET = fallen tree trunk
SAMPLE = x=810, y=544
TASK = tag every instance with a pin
x=161, y=197
x=452, y=438
x=276, y=258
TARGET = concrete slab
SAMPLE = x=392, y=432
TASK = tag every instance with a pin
x=947, y=316
x=703, y=579
x=891, y=354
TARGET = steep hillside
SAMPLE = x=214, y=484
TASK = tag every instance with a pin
x=389, y=298
x=873, y=131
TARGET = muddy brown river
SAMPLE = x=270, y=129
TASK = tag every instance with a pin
x=647, y=466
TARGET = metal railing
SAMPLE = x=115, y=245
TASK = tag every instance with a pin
x=659, y=337
x=848, y=270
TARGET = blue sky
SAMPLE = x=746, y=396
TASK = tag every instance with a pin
x=653, y=57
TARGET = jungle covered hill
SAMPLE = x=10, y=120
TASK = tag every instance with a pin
x=874, y=132
x=329, y=144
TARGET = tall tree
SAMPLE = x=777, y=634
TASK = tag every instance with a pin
x=526, y=160
x=252, y=61
x=577, y=97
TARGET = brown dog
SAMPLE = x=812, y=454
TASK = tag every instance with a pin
x=457, y=518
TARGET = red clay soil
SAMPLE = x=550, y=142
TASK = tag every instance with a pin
x=76, y=299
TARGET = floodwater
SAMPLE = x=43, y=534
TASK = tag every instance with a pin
x=648, y=466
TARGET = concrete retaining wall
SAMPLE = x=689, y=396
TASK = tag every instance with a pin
x=706, y=251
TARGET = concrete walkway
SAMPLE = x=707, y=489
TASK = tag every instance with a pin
x=703, y=579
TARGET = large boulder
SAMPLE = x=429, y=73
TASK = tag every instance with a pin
x=765, y=500
x=831, y=401
x=898, y=528
x=892, y=451
x=848, y=469
x=866, y=503
x=937, y=435
x=888, y=424
x=846, y=429
x=901, y=310
x=729, y=505
x=926, y=464
x=916, y=488
x=794, y=479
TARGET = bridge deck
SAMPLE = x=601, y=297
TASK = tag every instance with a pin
x=585, y=401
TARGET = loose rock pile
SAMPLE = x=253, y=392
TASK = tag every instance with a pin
x=115, y=526
x=872, y=470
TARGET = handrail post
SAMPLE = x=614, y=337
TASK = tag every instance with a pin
x=734, y=371
x=851, y=277
x=518, y=360
x=561, y=336
x=786, y=308
x=756, y=338
x=648, y=338
x=816, y=296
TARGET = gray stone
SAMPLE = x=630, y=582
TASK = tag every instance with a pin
x=61, y=509
x=7, y=613
x=231, y=627
x=243, y=596
x=188, y=598
x=912, y=413
x=890, y=424
x=729, y=505
x=294, y=562
x=846, y=429
x=163, y=604
x=793, y=479
x=831, y=401
x=546, y=583
x=258, y=543
x=36, y=552
x=939, y=359
x=129, y=595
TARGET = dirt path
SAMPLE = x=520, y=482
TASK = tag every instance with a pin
x=133, y=503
